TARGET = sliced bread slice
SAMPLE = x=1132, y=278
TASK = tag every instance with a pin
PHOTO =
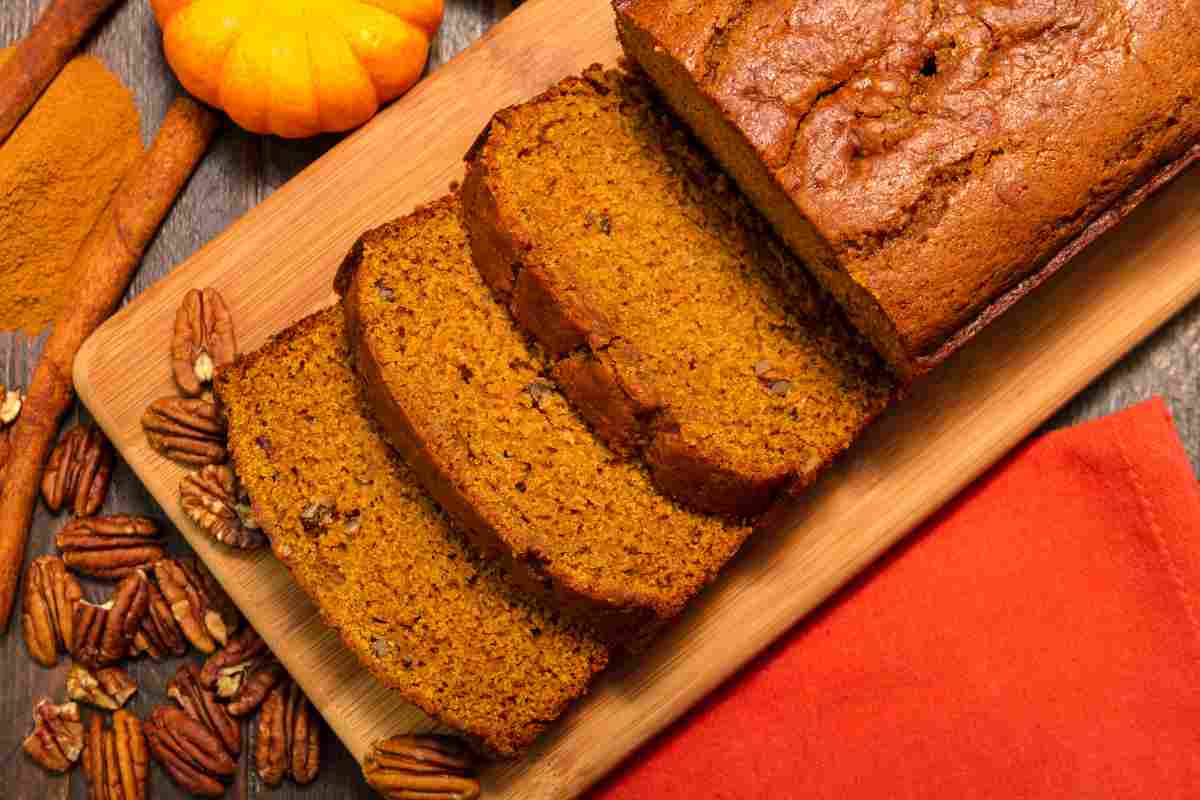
x=407, y=593
x=678, y=324
x=466, y=397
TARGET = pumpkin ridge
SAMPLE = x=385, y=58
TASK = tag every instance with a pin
x=245, y=56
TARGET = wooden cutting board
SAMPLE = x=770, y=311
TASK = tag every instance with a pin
x=276, y=265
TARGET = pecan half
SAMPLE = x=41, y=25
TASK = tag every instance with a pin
x=190, y=431
x=57, y=738
x=232, y=660
x=48, y=614
x=116, y=761
x=108, y=688
x=104, y=633
x=190, y=753
x=425, y=766
x=159, y=635
x=243, y=672
x=203, y=340
x=79, y=471
x=201, y=705
x=212, y=500
x=109, y=548
x=288, y=741
x=203, y=610
x=257, y=682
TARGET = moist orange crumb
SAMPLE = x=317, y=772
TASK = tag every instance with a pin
x=409, y=596
x=468, y=398
x=680, y=325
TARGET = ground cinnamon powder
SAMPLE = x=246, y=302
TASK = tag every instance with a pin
x=58, y=170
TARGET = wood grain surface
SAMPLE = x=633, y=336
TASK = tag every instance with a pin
x=242, y=171
x=238, y=173
x=276, y=265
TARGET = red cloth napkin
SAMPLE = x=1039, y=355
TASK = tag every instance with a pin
x=1039, y=638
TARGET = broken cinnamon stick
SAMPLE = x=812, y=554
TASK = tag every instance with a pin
x=103, y=268
x=41, y=55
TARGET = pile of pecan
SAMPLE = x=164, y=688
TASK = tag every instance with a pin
x=156, y=609
x=191, y=430
x=198, y=741
x=161, y=609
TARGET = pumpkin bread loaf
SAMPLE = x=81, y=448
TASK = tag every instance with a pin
x=677, y=323
x=931, y=162
x=408, y=595
x=468, y=399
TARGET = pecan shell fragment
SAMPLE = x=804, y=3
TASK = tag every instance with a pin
x=48, y=614
x=78, y=471
x=203, y=340
x=211, y=499
x=57, y=737
x=187, y=430
x=422, y=766
x=111, y=547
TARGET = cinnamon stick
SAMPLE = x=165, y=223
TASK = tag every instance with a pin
x=42, y=54
x=103, y=268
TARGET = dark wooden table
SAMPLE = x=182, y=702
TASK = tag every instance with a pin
x=242, y=170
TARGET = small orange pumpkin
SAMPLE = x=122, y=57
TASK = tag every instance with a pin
x=297, y=67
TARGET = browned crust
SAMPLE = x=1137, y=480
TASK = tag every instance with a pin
x=1107, y=220
x=488, y=743
x=593, y=365
x=640, y=44
x=620, y=620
